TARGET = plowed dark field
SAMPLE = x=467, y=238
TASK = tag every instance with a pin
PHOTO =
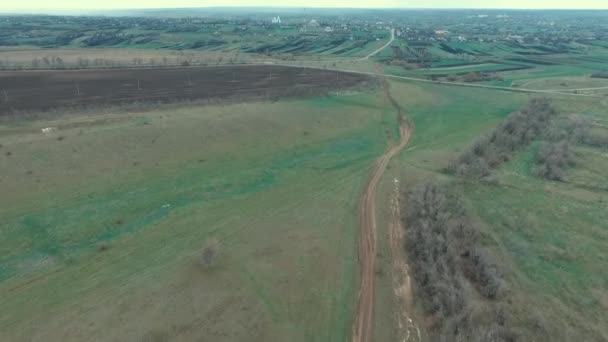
x=30, y=91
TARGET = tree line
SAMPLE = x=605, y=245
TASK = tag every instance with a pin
x=459, y=284
x=517, y=131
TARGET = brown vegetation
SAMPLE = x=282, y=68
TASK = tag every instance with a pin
x=517, y=131
x=481, y=76
x=555, y=153
x=458, y=283
x=552, y=158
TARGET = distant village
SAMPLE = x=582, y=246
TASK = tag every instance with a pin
x=462, y=27
x=477, y=28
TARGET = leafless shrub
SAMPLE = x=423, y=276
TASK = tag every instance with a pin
x=489, y=151
x=584, y=135
x=479, y=322
x=596, y=140
x=553, y=159
x=576, y=130
x=449, y=265
x=482, y=269
x=210, y=252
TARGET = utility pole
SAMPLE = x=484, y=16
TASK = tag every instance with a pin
x=77, y=89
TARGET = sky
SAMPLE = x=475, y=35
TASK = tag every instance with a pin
x=43, y=5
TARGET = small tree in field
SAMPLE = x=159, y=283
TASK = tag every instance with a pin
x=210, y=252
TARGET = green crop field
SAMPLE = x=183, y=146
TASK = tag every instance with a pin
x=104, y=219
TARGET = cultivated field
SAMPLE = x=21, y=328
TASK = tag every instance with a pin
x=76, y=88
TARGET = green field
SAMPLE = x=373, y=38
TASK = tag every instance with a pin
x=104, y=218
x=565, y=83
x=549, y=236
x=276, y=183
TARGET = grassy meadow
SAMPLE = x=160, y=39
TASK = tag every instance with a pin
x=103, y=221
x=549, y=236
x=104, y=217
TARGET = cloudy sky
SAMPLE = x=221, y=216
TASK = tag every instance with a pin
x=40, y=5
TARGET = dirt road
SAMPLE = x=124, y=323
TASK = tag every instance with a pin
x=377, y=51
x=363, y=317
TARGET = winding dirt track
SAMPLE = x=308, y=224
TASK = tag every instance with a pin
x=363, y=318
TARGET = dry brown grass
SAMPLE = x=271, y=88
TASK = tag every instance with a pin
x=34, y=58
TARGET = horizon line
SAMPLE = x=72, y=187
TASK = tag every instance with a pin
x=42, y=11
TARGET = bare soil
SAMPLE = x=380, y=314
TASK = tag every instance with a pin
x=27, y=91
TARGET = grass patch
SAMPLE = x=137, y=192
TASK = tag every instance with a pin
x=548, y=235
x=276, y=184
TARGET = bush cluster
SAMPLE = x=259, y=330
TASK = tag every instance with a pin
x=517, y=131
x=451, y=270
x=552, y=158
x=584, y=135
x=481, y=76
x=555, y=153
